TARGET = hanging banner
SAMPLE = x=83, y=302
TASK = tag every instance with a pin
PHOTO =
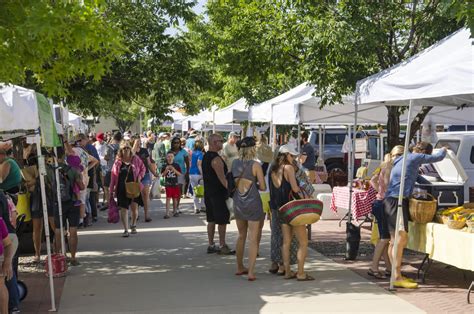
x=49, y=134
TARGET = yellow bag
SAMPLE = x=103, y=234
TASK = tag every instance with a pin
x=374, y=236
x=265, y=197
x=23, y=206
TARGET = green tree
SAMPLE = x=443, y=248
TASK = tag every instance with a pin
x=46, y=44
x=257, y=49
x=157, y=64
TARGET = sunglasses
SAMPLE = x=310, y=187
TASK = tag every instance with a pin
x=127, y=148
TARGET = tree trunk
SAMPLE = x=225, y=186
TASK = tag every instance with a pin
x=393, y=126
x=418, y=120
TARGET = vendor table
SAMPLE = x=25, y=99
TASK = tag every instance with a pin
x=442, y=244
x=361, y=200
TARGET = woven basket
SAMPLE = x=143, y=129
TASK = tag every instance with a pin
x=442, y=219
x=422, y=211
x=468, y=205
x=456, y=224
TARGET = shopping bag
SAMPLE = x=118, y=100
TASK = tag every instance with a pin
x=23, y=206
x=199, y=190
x=265, y=197
x=155, y=191
x=230, y=206
x=113, y=212
x=374, y=235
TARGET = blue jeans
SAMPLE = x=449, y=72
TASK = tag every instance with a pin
x=378, y=212
x=13, y=295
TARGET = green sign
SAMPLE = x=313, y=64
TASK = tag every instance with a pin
x=49, y=134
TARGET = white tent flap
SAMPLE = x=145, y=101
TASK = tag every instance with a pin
x=16, y=101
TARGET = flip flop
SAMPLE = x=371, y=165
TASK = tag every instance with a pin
x=306, y=278
x=252, y=278
x=240, y=273
x=377, y=275
x=292, y=276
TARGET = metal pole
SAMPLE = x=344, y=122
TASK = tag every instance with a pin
x=299, y=138
x=42, y=174
x=320, y=139
x=352, y=159
x=60, y=205
x=400, y=196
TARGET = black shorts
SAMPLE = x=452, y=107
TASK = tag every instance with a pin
x=391, y=208
x=216, y=209
x=107, y=178
x=36, y=206
x=71, y=214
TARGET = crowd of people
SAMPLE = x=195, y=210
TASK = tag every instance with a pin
x=231, y=174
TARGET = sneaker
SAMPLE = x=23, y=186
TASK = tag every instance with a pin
x=197, y=211
x=407, y=284
x=134, y=229
x=225, y=250
x=125, y=234
x=212, y=249
x=176, y=214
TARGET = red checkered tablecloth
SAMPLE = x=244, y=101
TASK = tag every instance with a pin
x=361, y=200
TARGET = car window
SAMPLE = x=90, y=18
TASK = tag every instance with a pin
x=334, y=139
x=472, y=155
x=450, y=144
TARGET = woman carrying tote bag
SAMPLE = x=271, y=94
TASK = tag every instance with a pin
x=127, y=172
x=282, y=184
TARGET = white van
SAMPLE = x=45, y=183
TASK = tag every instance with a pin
x=462, y=144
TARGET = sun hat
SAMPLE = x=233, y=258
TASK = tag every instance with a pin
x=288, y=149
x=248, y=141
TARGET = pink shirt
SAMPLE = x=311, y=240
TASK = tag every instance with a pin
x=3, y=234
x=382, y=186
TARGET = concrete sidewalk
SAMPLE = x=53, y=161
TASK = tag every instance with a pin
x=165, y=269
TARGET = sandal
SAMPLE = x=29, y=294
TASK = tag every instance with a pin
x=243, y=272
x=377, y=275
x=166, y=217
x=306, y=278
x=292, y=276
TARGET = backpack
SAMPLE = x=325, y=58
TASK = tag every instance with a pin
x=65, y=184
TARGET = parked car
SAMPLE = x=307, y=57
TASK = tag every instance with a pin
x=462, y=144
x=333, y=142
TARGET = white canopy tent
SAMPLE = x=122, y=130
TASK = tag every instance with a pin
x=197, y=121
x=236, y=112
x=77, y=123
x=260, y=112
x=16, y=101
x=441, y=75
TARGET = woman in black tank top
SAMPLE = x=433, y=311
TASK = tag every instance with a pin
x=282, y=181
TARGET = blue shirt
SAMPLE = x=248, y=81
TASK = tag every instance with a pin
x=91, y=150
x=179, y=159
x=190, y=143
x=414, y=161
x=197, y=155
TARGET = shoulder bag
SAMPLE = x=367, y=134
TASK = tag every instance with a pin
x=132, y=189
x=300, y=212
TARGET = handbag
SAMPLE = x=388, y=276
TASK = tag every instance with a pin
x=199, y=190
x=155, y=191
x=132, y=189
x=300, y=212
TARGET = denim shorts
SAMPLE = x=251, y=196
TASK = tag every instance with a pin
x=378, y=211
x=147, y=179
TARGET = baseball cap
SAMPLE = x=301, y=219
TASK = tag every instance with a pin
x=231, y=134
x=288, y=149
x=100, y=136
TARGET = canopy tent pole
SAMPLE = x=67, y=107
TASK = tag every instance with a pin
x=42, y=172
x=213, y=121
x=351, y=161
x=320, y=140
x=399, y=220
x=382, y=157
x=60, y=205
x=299, y=138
